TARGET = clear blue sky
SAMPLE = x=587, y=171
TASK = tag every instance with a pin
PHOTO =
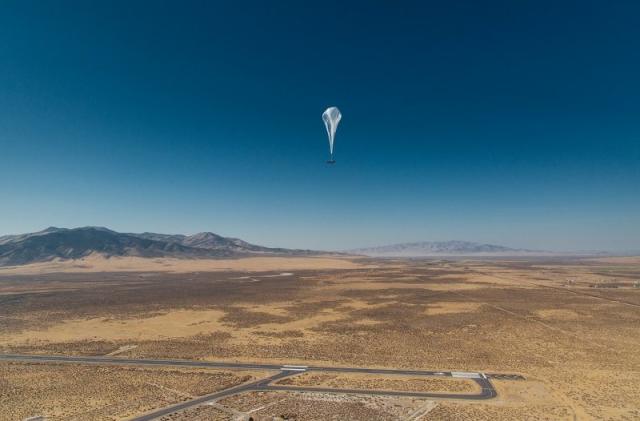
x=510, y=122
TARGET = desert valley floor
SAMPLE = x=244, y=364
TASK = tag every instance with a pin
x=570, y=328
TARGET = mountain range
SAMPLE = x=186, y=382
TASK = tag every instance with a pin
x=75, y=243
x=64, y=243
x=443, y=248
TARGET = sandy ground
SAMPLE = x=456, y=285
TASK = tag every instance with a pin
x=176, y=324
x=630, y=260
x=269, y=406
x=449, y=308
x=97, y=263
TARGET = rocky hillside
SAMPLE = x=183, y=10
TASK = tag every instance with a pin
x=62, y=243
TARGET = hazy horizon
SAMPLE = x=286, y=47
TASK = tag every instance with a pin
x=372, y=246
x=509, y=124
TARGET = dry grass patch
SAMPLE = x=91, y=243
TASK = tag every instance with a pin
x=85, y=392
x=175, y=324
x=558, y=314
x=399, y=383
x=451, y=308
x=458, y=411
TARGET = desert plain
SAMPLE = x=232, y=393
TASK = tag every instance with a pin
x=570, y=327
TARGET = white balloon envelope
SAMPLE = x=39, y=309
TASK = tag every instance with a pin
x=331, y=118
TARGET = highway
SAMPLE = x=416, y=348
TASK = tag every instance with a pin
x=487, y=391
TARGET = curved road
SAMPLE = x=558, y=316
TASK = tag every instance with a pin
x=266, y=384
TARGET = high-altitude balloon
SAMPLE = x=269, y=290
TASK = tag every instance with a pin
x=331, y=118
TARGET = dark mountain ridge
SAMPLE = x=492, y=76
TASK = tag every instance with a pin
x=63, y=243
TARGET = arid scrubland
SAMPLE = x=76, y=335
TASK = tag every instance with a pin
x=86, y=392
x=570, y=327
x=381, y=382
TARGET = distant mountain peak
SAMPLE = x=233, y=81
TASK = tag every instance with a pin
x=205, y=236
x=96, y=228
x=210, y=240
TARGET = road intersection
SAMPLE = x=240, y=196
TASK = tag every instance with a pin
x=487, y=391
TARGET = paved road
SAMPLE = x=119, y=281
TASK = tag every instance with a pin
x=134, y=361
x=207, y=398
x=266, y=384
x=487, y=392
x=228, y=365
